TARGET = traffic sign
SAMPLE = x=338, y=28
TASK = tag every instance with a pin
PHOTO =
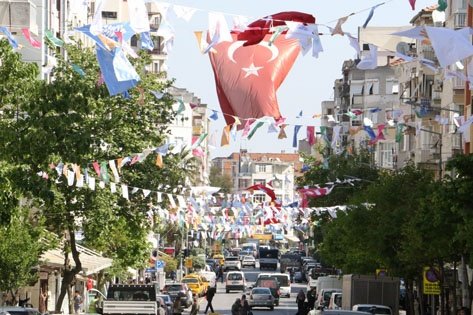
x=160, y=264
x=188, y=263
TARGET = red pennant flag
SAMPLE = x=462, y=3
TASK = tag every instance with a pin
x=268, y=191
x=248, y=74
x=307, y=193
x=311, y=135
x=96, y=168
x=413, y=4
x=33, y=42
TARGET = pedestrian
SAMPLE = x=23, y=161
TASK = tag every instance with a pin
x=311, y=297
x=77, y=302
x=220, y=274
x=245, y=307
x=43, y=297
x=291, y=274
x=195, y=306
x=173, y=275
x=210, y=295
x=93, y=305
x=236, y=307
x=300, y=299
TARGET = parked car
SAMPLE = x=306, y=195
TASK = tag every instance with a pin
x=235, y=281
x=15, y=310
x=343, y=312
x=167, y=302
x=179, y=291
x=261, y=297
x=248, y=261
x=232, y=262
x=373, y=309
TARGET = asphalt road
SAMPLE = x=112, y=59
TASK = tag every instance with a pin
x=222, y=301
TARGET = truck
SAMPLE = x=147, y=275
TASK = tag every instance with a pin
x=131, y=299
x=370, y=289
x=325, y=286
x=289, y=260
x=268, y=258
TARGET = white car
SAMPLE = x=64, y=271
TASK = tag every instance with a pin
x=232, y=262
x=248, y=261
x=373, y=309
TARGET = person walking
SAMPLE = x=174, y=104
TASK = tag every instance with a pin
x=300, y=299
x=220, y=273
x=236, y=307
x=245, y=307
x=77, y=302
x=210, y=295
x=311, y=297
x=195, y=306
x=93, y=305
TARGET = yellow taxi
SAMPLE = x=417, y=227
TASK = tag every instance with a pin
x=196, y=283
x=220, y=258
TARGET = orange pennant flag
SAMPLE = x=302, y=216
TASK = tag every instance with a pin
x=159, y=160
x=119, y=164
x=226, y=136
x=198, y=36
x=109, y=43
x=282, y=132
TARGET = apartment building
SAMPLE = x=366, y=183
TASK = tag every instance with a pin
x=278, y=170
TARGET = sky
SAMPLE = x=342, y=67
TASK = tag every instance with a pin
x=311, y=79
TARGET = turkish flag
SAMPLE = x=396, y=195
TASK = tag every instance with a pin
x=307, y=193
x=247, y=77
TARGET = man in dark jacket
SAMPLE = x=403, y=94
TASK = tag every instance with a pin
x=210, y=295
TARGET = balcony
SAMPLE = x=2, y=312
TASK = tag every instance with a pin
x=459, y=20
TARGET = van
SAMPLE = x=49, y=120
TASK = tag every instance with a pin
x=283, y=280
x=324, y=296
x=235, y=280
x=335, y=301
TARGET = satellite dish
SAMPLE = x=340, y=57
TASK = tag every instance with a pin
x=403, y=48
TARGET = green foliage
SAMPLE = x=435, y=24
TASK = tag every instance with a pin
x=197, y=262
x=170, y=263
x=219, y=180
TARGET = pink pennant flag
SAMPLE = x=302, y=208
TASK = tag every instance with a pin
x=96, y=168
x=413, y=4
x=247, y=128
x=32, y=41
x=380, y=135
x=311, y=135
x=198, y=152
x=192, y=105
x=338, y=27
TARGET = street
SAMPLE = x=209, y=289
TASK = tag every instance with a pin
x=222, y=301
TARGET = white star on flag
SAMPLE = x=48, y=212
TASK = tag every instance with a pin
x=252, y=70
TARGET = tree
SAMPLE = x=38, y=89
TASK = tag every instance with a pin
x=72, y=122
x=219, y=180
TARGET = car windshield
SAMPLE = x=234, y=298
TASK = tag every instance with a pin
x=377, y=310
x=166, y=298
x=248, y=258
x=261, y=291
x=234, y=276
x=231, y=259
x=267, y=283
x=283, y=280
x=190, y=280
x=175, y=287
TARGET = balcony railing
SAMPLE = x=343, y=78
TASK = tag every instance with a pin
x=459, y=20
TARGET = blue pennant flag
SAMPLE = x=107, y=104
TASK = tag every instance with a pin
x=11, y=39
x=296, y=131
x=146, y=41
x=370, y=132
x=214, y=115
x=118, y=73
x=109, y=30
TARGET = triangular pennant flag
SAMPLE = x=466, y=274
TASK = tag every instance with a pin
x=311, y=135
x=113, y=188
x=103, y=172
x=370, y=15
x=146, y=192
x=159, y=160
x=11, y=39
x=171, y=201
x=214, y=115
x=198, y=36
x=26, y=32
x=96, y=168
x=225, y=136
x=413, y=4
x=257, y=126
x=282, y=132
x=125, y=191
x=272, y=128
x=181, y=108
x=114, y=169
x=338, y=27
x=56, y=41
x=247, y=127
x=183, y=12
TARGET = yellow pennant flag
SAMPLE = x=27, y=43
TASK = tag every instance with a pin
x=237, y=121
x=159, y=160
x=119, y=164
x=226, y=136
x=198, y=36
x=282, y=132
x=109, y=43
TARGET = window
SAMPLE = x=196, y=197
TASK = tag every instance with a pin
x=372, y=87
x=243, y=183
x=356, y=88
x=156, y=67
x=261, y=168
x=386, y=154
x=392, y=86
x=134, y=41
x=259, y=198
x=259, y=182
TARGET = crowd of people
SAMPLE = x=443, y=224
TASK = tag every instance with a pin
x=241, y=306
x=306, y=304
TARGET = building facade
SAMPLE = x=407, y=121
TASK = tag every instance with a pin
x=276, y=170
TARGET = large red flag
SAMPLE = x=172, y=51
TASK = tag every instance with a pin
x=247, y=77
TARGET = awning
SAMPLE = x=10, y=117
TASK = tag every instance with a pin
x=92, y=262
x=292, y=238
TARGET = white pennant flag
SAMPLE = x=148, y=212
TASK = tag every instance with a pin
x=370, y=62
x=125, y=191
x=91, y=182
x=113, y=167
x=80, y=181
x=160, y=197
x=171, y=201
x=138, y=14
x=181, y=201
x=146, y=192
x=218, y=28
x=102, y=184
x=96, y=25
x=113, y=187
x=70, y=177
x=183, y=12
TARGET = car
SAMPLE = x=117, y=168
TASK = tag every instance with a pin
x=261, y=297
x=248, y=261
x=232, y=262
x=342, y=312
x=212, y=263
x=166, y=300
x=284, y=282
x=179, y=291
x=271, y=283
x=15, y=310
x=245, y=252
x=196, y=283
x=373, y=309
x=219, y=258
x=235, y=280
x=323, y=297
x=335, y=301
